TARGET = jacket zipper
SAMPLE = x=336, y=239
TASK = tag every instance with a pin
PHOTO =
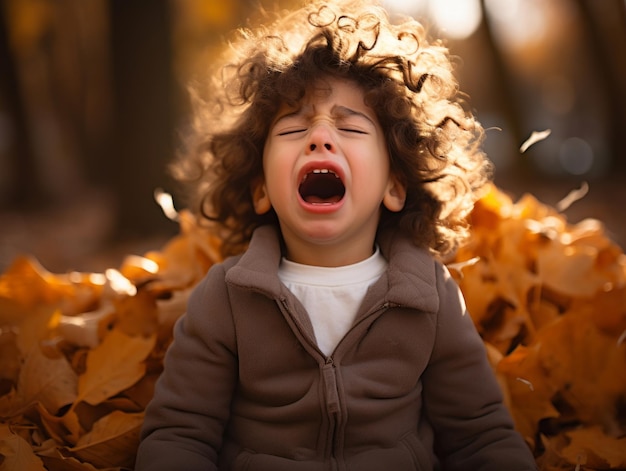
x=331, y=394
x=330, y=386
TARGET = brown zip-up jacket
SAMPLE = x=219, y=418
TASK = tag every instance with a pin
x=408, y=388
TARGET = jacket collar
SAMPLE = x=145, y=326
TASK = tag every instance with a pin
x=412, y=273
x=257, y=269
x=410, y=281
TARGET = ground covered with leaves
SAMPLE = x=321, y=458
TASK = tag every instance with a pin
x=80, y=352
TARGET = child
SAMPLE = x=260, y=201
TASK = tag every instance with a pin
x=338, y=167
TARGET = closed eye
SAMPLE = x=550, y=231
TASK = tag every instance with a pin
x=291, y=131
x=357, y=131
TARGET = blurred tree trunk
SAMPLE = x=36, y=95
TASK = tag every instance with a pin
x=605, y=25
x=25, y=188
x=143, y=87
x=503, y=87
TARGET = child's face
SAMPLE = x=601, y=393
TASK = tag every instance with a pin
x=326, y=174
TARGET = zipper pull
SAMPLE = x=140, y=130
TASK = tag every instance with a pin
x=330, y=386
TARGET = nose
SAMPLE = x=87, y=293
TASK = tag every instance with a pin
x=320, y=138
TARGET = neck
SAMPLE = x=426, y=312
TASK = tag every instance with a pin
x=328, y=255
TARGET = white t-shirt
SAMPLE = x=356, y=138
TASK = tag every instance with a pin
x=331, y=296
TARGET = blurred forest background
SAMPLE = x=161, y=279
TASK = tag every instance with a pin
x=93, y=98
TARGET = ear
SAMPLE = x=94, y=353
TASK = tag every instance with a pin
x=395, y=195
x=260, y=198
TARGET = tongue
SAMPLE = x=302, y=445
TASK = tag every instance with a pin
x=322, y=188
x=314, y=199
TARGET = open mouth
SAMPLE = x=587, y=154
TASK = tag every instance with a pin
x=321, y=186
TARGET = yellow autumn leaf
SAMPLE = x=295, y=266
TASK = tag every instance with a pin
x=114, y=365
x=64, y=429
x=56, y=459
x=591, y=446
x=112, y=441
x=16, y=453
x=111, y=426
x=10, y=357
x=50, y=381
x=587, y=366
x=27, y=283
x=570, y=270
x=551, y=296
x=528, y=388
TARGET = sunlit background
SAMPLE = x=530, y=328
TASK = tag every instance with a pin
x=93, y=98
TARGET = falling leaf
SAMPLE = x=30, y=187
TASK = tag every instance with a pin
x=572, y=197
x=166, y=203
x=535, y=137
x=458, y=266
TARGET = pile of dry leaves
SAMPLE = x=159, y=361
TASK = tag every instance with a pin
x=80, y=352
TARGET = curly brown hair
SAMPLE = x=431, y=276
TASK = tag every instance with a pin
x=434, y=144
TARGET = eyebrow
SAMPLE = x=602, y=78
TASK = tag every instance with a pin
x=336, y=111
x=340, y=110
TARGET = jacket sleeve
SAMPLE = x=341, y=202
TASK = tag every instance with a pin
x=185, y=420
x=462, y=399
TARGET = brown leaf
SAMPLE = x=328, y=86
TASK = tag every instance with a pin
x=16, y=453
x=591, y=446
x=34, y=327
x=65, y=429
x=114, y=365
x=570, y=270
x=136, y=315
x=586, y=366
x=27, y=284
x=112, y=441
x=10, y=360
x=51, y=381
x=85, y=329
x=529, y=390
x=110, y=427
x=55, y=460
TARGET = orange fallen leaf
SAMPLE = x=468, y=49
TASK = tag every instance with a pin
x=570, y=270
x=55, y=460
x=586, y=366
x=50, y=381
x=16, y=453
x=548, y=298
x=10, y=359
x=112, y=442
x=529, y=390
x=592, y=447
x=114, y=365
x=65, y=429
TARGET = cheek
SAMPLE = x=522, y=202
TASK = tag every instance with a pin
x=277, y=179
x=372, y=174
